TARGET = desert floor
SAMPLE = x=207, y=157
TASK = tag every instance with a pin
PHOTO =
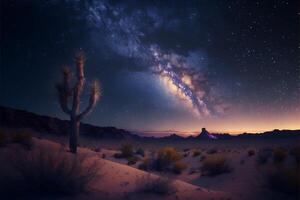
x=118, y=180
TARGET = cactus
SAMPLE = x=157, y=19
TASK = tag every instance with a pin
x=68, y=94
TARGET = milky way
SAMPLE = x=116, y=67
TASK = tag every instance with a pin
x=183, y=89
x=124, y=37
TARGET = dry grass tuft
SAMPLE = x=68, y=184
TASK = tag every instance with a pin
x=263, y=156
x=44, y=172
x=159, y=186
x=196, y=153
x=126, y=151
x=179, y=167
x=251, y=153
x=214, y=165
x=140, y=151
x=166, y=158
x=285, y=180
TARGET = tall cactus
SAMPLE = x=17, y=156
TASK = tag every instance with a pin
x=68, y=94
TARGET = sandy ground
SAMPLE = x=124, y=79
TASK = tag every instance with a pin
x=119, y=181
x=245, y=181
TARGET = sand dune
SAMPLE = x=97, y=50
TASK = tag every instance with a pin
x=119, y=181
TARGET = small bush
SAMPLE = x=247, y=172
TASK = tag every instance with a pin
x=159, y=186
x=166, y=157
x=283, y=180
x=295, y=152
x=145, y=165
x=196, y=153
x=178, y=167
x=140, y=151
x=186, y=154
x=279, y=155
x=118, y=155
x=263, y=156
x=212, y=151
x=132, y=160
x=127, y=150
x=43, y=173
x=214, y=165
x=251, y=153
x=24, y=138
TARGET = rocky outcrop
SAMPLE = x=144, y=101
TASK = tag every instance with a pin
x=206, y=135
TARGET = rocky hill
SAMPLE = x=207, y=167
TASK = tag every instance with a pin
x=14, y=118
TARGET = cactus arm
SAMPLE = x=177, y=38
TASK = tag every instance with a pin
x=63, y=100
x=79, y=85
x=64, y=91
x=94, y=97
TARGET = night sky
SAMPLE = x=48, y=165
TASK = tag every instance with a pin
x=229, y=66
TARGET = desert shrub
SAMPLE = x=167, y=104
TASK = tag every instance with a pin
x=212, y=151
x=132, y=160
x=214, y=165
x=43, y=173
x=140, y=151
x=295, y=152
x=104, y=156
x=118, y=155
x=285, y=180
x=2, y=138
x=23, y=137
x=251, y=152
x=279, y=155
x=263, y=156
x=167, y=157
x=178, y=167
x=196, y=153
x=145, y=165
x=159, y=186
x=127, y=150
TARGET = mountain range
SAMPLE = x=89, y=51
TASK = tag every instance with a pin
x=15, y=118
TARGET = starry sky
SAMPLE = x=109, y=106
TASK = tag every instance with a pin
x=229, y=66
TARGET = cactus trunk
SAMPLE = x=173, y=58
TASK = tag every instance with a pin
x=74, y=132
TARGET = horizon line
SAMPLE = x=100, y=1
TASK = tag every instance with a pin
x=189, y=133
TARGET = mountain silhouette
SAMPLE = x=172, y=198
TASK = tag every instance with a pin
x=206, y=135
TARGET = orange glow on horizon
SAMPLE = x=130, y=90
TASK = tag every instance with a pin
x=234, y=124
